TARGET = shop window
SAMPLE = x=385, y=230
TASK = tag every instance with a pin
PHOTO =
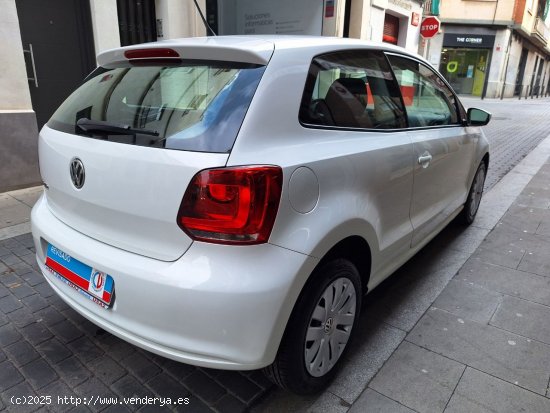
x=391, y=29
x=428, y=100
x=352, y=89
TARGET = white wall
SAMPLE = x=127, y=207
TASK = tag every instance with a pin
x=14, y=86
x=498, y=61
x=105, y=25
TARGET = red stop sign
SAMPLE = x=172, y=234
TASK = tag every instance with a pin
x=429, y=27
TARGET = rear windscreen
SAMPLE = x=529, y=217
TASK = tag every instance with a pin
x=192, y=106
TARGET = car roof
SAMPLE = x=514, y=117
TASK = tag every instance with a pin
x=254, y=49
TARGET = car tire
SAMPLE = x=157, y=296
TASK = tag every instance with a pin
x=315, y=339
x=471, y=206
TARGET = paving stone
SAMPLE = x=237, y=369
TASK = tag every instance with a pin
x=142, y=367
x=418, y=378
x=4, y=291
x=85, y=349
x=480, y=392
x=227, y=404
x=524, y=318
x=117, y=409
x=175, y=368
x=9, y=304
x=58, y=303
x=3, y=320
x=35, y=302
x=507, y=257
x=402, y=299
x=19, y=391
x=96, y=389
x=36, y=333
x=58, y=391
x=22, y=291
x=72, y=371
x=502, y=354
x=4, y=252
x=21, y=317
x=21, y=353
x=49, y=316
x=164, y=386
x=373, y=345
x=106, y=369
x=38, y=373
x=372, y=401
x=328, y=402
x=66, y=331
x=507, y=281
x=259, y=378
x=44, y=290
x=207, y=389
x=536, y=261
x=10, y=279
x=129, y=387
x=54, y=351
x=239, y=385
x=11, y=260
x=473, y=302
x=9, y=375
x=2, y=356
x=8, y=335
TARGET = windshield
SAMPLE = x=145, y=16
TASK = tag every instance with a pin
x=193, y=106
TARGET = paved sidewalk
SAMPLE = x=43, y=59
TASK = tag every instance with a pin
x=15, y=208
x=403, y=358
x=464, y=326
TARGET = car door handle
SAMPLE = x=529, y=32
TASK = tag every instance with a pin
x=425, y=159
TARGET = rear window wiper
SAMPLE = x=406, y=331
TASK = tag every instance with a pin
x=103, y=127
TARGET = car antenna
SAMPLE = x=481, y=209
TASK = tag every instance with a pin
x=203, y=19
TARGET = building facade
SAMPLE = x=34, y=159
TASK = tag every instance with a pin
x=492, y=48
x=49, y=46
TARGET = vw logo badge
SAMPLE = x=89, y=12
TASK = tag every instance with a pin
x=77, y=173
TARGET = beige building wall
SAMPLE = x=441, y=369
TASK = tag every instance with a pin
x=484, y=10
x=104, y=25
x=14, y=86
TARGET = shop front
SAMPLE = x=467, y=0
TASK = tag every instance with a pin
x=294, y=17
x=465, y=61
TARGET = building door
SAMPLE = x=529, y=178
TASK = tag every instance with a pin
x=58, y=47
x=521, y=71
x=137, y=21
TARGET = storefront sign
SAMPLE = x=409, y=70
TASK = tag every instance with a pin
x=415, y=19
x=269, y=17
x=401, y=3
x=468, y=40
x=329, y=8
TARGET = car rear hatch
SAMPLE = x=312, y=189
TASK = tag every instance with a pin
x=119, y=153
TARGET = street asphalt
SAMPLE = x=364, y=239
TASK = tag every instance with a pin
x=462, y=327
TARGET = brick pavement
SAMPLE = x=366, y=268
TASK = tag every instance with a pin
x=46, y=348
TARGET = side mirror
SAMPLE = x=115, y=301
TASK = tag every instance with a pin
x=478, y=117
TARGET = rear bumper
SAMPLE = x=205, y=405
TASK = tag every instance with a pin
x=216, y=306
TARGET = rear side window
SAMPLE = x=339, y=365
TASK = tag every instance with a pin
x=196, y=106
x=353, y=89
x=428, y=100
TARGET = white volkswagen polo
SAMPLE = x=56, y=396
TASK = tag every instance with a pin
x=226, y=202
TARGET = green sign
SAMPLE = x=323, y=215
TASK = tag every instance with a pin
x=435, y=7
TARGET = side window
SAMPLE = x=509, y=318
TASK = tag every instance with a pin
x=428, y=100
x=352, y=89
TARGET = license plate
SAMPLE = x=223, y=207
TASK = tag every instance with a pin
x=90, y=282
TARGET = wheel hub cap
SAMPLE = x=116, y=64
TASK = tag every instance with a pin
x=330, y=327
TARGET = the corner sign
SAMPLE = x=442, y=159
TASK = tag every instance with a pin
x=429, y=27
x=469, y=41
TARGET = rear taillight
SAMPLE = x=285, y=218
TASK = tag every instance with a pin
x=232, y=205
